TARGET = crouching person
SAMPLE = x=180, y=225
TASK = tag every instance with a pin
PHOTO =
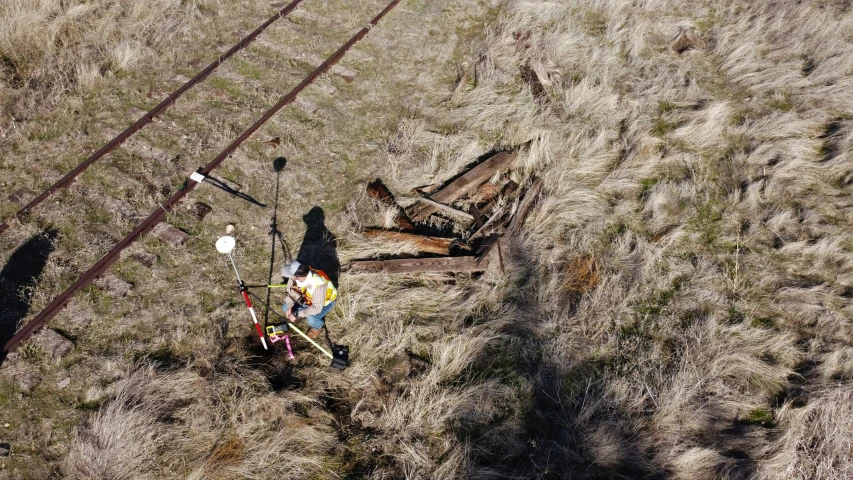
x=310, y=295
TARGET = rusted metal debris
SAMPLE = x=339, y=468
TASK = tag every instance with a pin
x=379, y=191
x=493, y=221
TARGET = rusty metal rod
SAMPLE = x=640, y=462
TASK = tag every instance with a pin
x=101, y=265
x=148, y=117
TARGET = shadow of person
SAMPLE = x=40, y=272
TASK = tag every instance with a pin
x=319, y=245
x=18, y=281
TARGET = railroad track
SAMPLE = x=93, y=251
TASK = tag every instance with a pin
x=166, y=207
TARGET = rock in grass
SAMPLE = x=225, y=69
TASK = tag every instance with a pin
x=200, y=210
x=135, y=113
x=169, y=234
x=146, y=259
x=27, y=381
x=113, y=284
x=345, y=73
x=5, y=449
x=62, y=384
x=54, y=344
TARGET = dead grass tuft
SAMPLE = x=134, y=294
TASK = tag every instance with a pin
x=582, y=273
x=225, y=454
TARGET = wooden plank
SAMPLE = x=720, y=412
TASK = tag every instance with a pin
x=379, y=191
x=475, y=214
x=422, y=265
x=497, y=222
x=524, y=207
x=423, y=243
x=506, y=191
x=493, y=248
x=509, y=226
x=447, y=208
x=453, y=191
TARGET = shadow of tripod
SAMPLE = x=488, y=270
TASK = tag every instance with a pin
x=278, y=165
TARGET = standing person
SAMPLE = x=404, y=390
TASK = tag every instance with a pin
x=310, y=295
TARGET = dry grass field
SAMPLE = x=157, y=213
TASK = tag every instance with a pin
x=678, y=305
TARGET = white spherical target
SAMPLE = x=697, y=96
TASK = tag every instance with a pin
x=225, y=244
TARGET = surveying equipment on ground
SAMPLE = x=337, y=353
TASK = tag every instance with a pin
x=339, y=353
x=275, y=334
x=226, y=245
x=340, y=356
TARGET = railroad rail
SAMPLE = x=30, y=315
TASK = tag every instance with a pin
x=156, y=216
x=149, y=116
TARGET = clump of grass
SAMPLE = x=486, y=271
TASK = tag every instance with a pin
x=761, y=416
x=582, y=274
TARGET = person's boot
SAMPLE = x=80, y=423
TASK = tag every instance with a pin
x=313, y=332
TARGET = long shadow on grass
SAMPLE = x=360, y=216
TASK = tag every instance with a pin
x=562, y=423
x=18, y=280
x=547, y=434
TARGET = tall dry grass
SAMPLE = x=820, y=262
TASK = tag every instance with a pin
x=48, y=47
x=160, y=424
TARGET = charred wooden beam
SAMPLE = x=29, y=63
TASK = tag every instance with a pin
x=475, y=214
x=420, y=265
x=425, y=189
x=422, y=243
x=462, y=185
x=379, y=191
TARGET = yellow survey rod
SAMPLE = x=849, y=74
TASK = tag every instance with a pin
x=306, y=337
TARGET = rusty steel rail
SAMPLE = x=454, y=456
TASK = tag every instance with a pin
x=150, y=116
x=101, y=265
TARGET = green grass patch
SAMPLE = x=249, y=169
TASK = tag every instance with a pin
x=654, y=304
x=781, y=101
x=646, y=184
x=764, y=322
x=247, y=69
x=225, y=85
x=594, y=22
x=706, y=222
x=665, y=106
x=661, y=127
x=760, y=416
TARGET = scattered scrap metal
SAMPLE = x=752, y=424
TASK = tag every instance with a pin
x=495, y=213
